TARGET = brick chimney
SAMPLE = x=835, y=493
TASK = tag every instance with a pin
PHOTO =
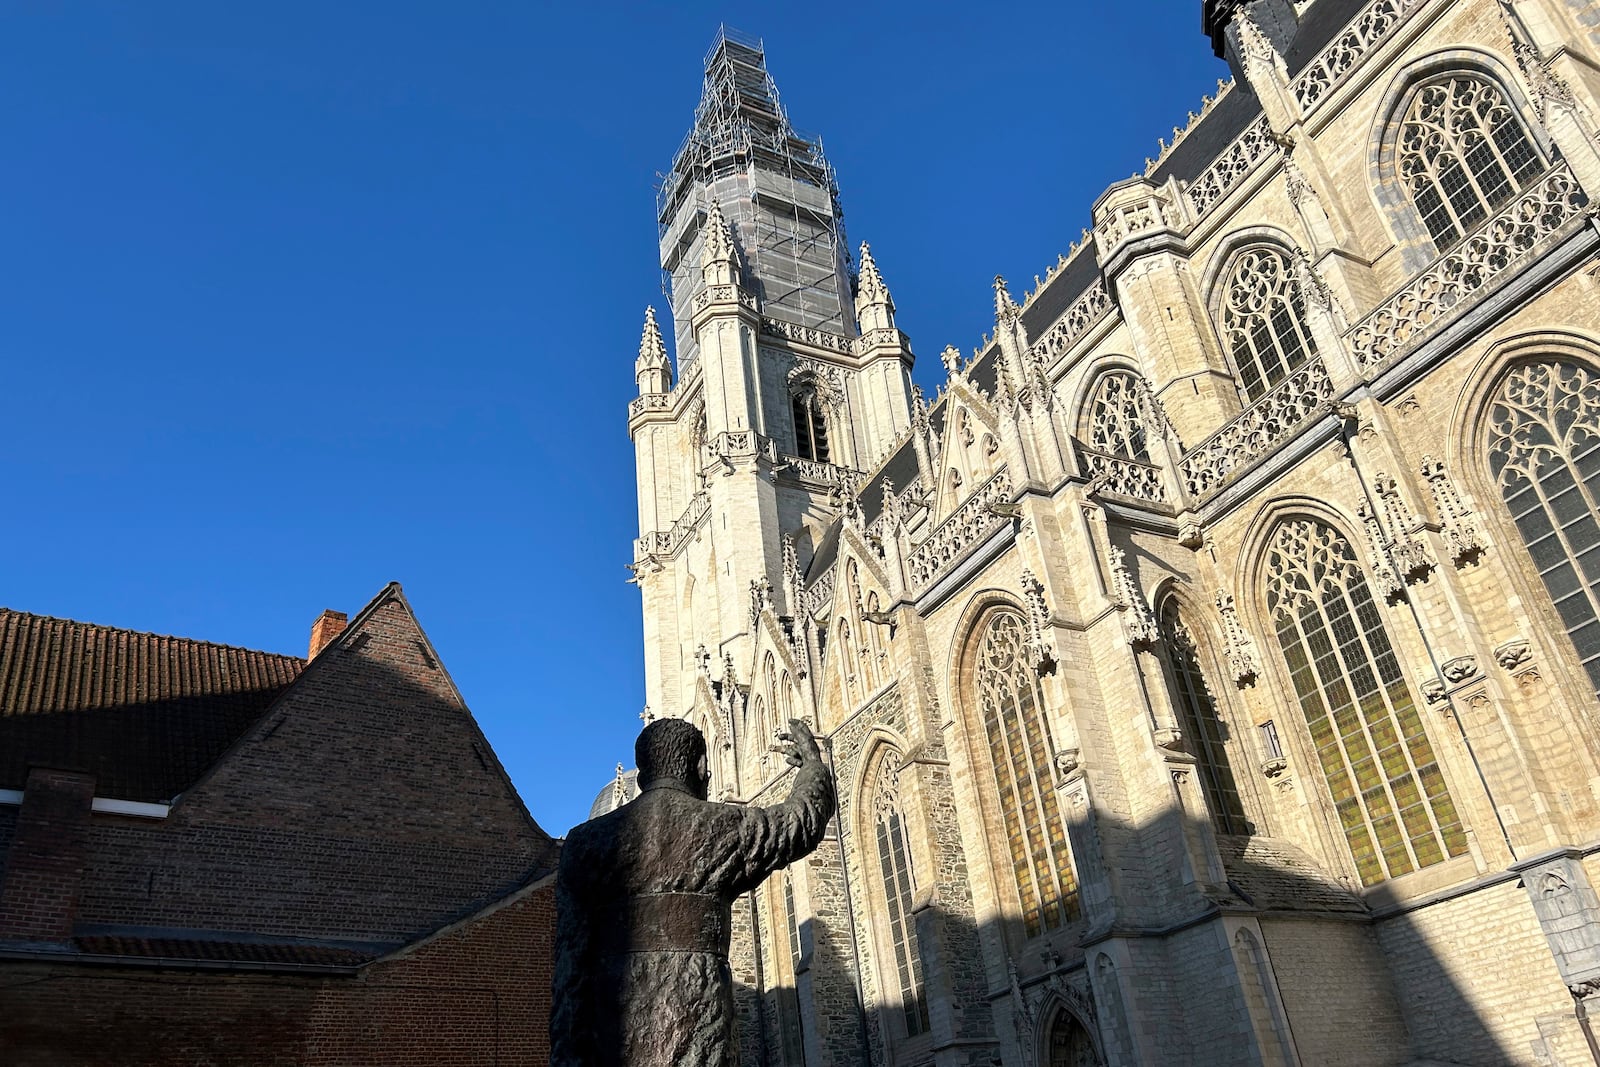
x=44, y=871
x=329, y=624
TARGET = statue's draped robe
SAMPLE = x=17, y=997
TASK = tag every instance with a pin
x=645, y=897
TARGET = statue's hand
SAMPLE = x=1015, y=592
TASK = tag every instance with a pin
x=803, y=743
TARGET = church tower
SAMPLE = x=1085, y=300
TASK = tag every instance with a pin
x=792, y=380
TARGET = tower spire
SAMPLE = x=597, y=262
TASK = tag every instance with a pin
x=874, y=305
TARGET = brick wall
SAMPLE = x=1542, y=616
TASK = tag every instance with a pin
x=367, y=805
x=44, y=866
x=477, y=994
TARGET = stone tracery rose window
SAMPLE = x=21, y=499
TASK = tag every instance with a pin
x=1263, y=320
x=1463, y=152
x=1011, y=704
x=1380, y=769
x=1544, y=452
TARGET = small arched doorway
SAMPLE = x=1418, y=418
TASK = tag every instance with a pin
x=1069, y=1043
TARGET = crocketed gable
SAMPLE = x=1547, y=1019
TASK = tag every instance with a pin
x=144, y=713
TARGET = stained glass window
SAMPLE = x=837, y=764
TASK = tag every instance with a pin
x=1020, y=753
x=1263, y=320
x=1386, y=784
x=1544, y=450
x=894, y=865
x=1463, y=152
x=1201, y=723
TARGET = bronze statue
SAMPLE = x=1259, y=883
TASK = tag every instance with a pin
x=644, y=899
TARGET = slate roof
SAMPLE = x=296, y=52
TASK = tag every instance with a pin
x=606, y=800
x=1319, y=25
x=901, y=470
x=1275, y=875
x=144, y=713
x=1201, y=145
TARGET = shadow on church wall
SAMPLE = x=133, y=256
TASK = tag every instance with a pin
x=1276, y=963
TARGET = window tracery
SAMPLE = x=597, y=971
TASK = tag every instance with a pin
x=1386, y=784
x=1202, y=722
x=1463, y=152
x=1116, y=417
x=1544, y=452
x=897, y=883
x=1263, y=320
x=1011, y=705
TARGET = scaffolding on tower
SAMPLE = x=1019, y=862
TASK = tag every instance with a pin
x=775, y=188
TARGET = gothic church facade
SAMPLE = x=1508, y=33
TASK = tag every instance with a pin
x=1209, y=668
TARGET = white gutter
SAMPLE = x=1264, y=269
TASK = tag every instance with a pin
x=108, y=805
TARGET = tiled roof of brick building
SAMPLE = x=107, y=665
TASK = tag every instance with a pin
x=144, y=713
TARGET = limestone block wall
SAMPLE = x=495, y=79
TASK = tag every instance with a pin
x=1473, y=976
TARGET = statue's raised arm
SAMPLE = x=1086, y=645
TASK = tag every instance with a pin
x=772, y=838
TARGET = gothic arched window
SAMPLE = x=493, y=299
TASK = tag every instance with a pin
x=1012, y=707
x=1069, y=1043
x=1544, y=451
x=1202, y=723
x=1116, y=417
x=810, y=425
x=1386, y=783
x=894, y=867
x=1263, y=320
x=1462, y=153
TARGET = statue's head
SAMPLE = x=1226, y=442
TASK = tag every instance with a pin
x=673, y=750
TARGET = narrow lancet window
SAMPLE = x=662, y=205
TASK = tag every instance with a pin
x=810, y=426
x=1201, y=723
x=894, y=865
x=1012, y=707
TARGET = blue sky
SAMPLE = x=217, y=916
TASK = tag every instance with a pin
x=299, y=298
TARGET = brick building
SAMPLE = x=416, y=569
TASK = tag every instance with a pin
x=1210, y=667
x=215, y=855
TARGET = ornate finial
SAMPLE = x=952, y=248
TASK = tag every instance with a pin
x=652, y=349
x=888, y=509
x=951, y=358
x=872, y=288
x=919, y=409
x=1004, y=306
x=619, y=788
x=647, y=716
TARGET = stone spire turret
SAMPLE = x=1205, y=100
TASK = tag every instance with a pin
x=652, y=370
x=718, y=259
x=874, y=305
x=1008, y=331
